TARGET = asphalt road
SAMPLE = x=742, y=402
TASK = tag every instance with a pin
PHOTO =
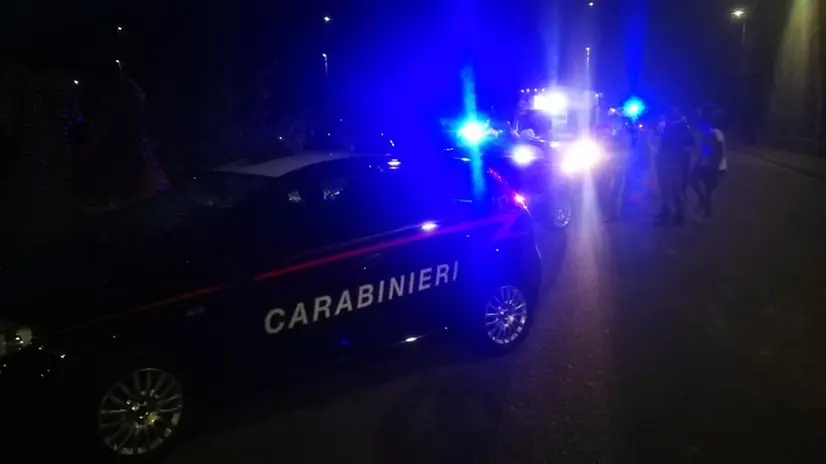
x=705, y=343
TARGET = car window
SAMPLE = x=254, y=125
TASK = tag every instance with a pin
x=388, y=195
x=307, y=209
x=202, y=201
x=343, y=211
x=347, y=200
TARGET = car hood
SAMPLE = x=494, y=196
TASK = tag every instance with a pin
x=92, y=276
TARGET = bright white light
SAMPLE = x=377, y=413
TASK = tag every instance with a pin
x=324, y=55
x=120, y=28
x=473, y=132
x=410, y=339
x=524, y=154
x=429, y=226
x=590, y=3
x=738, y=13
x=117, y=61
x=76, y=82
x=554, y=103
x=394, y=163
x=519, y=199
x=327, y=19
x=581, y=156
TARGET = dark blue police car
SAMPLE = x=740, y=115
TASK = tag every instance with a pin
x=258, y=267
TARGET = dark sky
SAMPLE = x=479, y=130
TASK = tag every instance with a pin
x=399, y=52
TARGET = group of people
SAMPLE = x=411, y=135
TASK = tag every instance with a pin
x=688, y=156
x=680, y=155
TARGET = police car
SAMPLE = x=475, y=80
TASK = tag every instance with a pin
x=254, y=269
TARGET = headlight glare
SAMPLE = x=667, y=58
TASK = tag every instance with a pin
x=581, y=156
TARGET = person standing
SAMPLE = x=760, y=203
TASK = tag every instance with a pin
x=711, y=163
x=618, y=141
x=673, y=158
x=654, y=133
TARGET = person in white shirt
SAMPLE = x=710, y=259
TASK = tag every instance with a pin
x=710, y=164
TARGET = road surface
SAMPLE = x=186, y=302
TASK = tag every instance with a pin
x=705, y=343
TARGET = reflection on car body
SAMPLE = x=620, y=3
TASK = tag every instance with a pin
x=265, y=264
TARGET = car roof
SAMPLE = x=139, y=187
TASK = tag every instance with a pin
x=279, y=167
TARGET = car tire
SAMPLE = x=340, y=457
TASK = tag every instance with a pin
x=506, y=317
x=562, y=210
x=141, y=406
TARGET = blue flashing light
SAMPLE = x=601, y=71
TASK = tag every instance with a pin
x=633, y=108
x=473, y=132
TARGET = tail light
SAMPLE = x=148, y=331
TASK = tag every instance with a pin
x=515, y=197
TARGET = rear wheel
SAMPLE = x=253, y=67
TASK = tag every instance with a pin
x=139, y=408
x=561, y=209
x=140, y=413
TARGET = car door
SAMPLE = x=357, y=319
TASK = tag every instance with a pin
x=355, y=234
x=286, y=311
x=417, y=238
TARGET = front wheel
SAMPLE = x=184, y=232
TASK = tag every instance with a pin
x=508, y=317
x=562, y=210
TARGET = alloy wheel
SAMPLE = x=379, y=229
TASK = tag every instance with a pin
x=506, y=315
x=141, y=412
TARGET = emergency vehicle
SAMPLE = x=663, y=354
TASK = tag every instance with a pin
x=573, y=112
x=250, y=271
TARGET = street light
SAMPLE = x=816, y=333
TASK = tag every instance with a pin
x=590, y=3
x=327, y=19
x=740, y=14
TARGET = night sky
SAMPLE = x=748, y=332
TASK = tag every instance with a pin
x=408, y=53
